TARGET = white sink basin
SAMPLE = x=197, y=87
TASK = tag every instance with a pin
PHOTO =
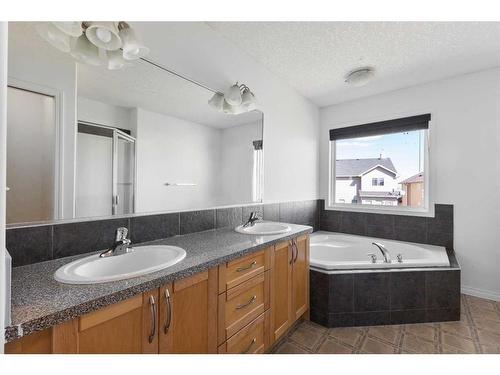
x=140, y=261
x=263, y=228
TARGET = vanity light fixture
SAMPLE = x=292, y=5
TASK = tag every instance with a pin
x=360, y=76
x=109, y=44
x=237, y=99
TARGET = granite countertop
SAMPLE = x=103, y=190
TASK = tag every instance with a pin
x=40, y=302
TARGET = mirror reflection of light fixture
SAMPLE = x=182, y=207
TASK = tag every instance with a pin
x=237, y=99
x=104, y=35
x=95, y=43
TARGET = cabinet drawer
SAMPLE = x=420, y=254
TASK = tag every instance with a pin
x=242, y=304
x=249, y=340
x=240, y=270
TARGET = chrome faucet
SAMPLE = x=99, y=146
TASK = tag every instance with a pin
x=121, y=244
x=251, y=220
x=384, y=251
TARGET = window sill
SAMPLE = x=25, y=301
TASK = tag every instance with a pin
x=387, y=210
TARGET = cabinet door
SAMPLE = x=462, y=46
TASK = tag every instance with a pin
x=300, y=277
x=129, y=326
x=188, y=314
x=281, y=289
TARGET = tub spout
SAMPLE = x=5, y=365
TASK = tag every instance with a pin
x=384, y=251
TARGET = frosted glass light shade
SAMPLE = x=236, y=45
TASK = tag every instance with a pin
x=248, y=100
x=133, y=49
x=216, y=102
x=116, y=60
x=86, y=52
x=54, y=36
x=72, y=28
x=104, y=35
x=232, y=109
x=233, y=95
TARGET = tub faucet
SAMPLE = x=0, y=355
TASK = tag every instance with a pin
x=121, y=244
x=251, y=220
x=384, y=251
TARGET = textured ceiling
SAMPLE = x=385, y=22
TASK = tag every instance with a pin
x=313, y=57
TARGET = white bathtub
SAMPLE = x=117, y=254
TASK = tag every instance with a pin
x=338, y=251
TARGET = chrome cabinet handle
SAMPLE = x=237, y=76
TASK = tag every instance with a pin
x=293, y=248
x=249, y=346
x=241, y=269
x=152, y=305
x=252, y=300
x=169, y=311
x=296, y=250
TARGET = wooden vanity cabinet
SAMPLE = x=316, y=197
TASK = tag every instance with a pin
x=242, y=306
x=289, y=284
x=188, y=315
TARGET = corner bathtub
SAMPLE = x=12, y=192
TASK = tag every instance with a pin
x=331, y=251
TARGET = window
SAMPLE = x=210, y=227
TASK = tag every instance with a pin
x=380, y=164
x=378, y=181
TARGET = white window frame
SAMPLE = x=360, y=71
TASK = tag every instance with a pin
x=428, y=208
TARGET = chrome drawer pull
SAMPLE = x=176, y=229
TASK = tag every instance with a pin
x=252, y=300
x=169, y=313
x=152, y=304
x=241, y=269
x=249, y=346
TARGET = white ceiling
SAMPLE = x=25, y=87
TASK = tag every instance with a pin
x=313, y=57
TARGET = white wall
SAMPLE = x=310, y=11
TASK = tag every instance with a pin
x=465, y=165
x=104, y=114
x=176, y=151
x=237, y=162
x=3, y=169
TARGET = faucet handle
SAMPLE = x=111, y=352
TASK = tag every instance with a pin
x=373, y=257
x=121, y=234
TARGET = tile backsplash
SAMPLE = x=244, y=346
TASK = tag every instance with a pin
x=35, y=244
x=437, y=230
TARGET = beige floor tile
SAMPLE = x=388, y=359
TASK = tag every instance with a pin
x=333, y=347
x=490, y=349
x=447, y=349
x=307, y=335
x=385, y=333
x=461, y=343
x=423, y=331
x=487, y=324
x=485, y=314
x=488, y=337
x=416, y=344
x=290, y=348
x=377, y=347
x=346, y=335
x=476, y=302
x=457, y=328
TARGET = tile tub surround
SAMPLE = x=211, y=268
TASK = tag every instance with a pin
x=349, y=299
x=39, y=243
x=477, y=331
x=39, y=302
x=437, y=230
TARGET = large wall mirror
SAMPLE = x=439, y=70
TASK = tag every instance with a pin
x=85, y=141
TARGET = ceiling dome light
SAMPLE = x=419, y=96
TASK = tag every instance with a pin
x=86, y=52
x=72, y=28
x=233, y=95
x=104, y=35
x=54, y=36
x=360, y=76
x=133, y=49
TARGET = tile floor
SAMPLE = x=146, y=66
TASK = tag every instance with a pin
x=478, y=331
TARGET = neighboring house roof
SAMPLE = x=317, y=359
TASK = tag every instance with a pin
x=358, y=167
x=419, y=177
x=378, y=194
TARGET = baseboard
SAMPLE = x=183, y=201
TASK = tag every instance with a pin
x=487, y=294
